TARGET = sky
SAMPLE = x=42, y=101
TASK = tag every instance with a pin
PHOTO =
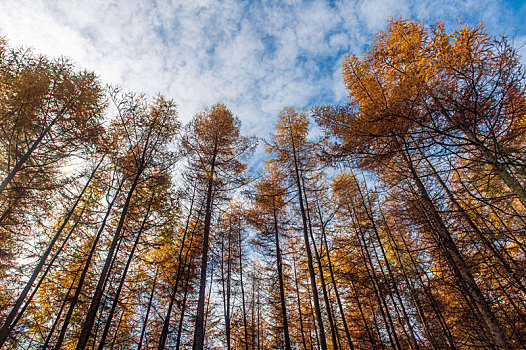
x=254, y=56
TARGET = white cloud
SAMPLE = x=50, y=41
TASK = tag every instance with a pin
x=375, y=12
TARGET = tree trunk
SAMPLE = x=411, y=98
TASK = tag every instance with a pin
x=478, y=232
x=362, y=315
x=335, y=287
x=319, y=318
x=302, y=331
x=18, y=166
x=199, y=333
x=57, y=319
x=95, y=301
x=384, y=309
x=320, y=271
x=84, y=273
x=281, y=284
x=414, y=296
x=242, y=292
x=46, y=271
x=457, y=263
x=183, y=310
x=148, y=308
x=123, y=277
x=180, y=271
x=6, y=328
x=438, y=313
x=368, y=208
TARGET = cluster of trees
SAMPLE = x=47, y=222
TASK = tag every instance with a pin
x=402, y=227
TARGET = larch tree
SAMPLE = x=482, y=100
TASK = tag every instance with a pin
x=294, y=154
x=215, y=150
x=268, y=215
x=147, y=129
x=50, y=114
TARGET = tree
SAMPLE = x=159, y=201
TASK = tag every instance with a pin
x=44, y=103
x=267, y=216
x=148, y=130
x=294, y=154
x=50, y=113
x=214, y=148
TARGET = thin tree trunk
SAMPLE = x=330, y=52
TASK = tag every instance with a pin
x=386, y=316
x=183, y=310
x=225, y=290
x=117, y=331
x=281, y=284
x=95, y=302
x=242, y=291
x=148, y=308
x=57, y=319
x=84, y=273
x=47, y=270
x=438, y=313
x=416, y=301
x=362, y=315
x=322, y=276
x=501, y=171
x=458, y=264
x=199, y=334
x=313, y=316
x=259, y=322
x=302, y=331
x=187, y=283
x=478, y=232
x=412, y=337
x=208, y=296
x=228, y=290
x=179, y=273
x=123, y=277
x=107, y=281
x=18, y=166
x=335, y=287
x=6, y=328
x=323, y=341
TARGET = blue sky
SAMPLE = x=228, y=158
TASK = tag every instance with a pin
x=255, y=56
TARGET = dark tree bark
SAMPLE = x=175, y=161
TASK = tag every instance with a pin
x=84, y=273
x=6, y=328
x=148, y=308
x=97, y=296
x=457, y=262
x=319, y=318
x=123, y=277
x=199, y=335
x=281, y=284
x=180, y=270
x=333, y=280
x=298, y=299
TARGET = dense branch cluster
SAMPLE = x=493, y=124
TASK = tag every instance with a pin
x=401, y=227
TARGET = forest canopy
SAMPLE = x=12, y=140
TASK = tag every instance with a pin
x=402, y=226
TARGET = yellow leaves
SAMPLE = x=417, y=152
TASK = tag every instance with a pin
x=291, y=126
x=406, y=58
x=289, y=141
x=270, y=191
x=390, y=75
x=422, y=81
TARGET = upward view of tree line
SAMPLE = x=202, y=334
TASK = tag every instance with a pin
x=403, y=226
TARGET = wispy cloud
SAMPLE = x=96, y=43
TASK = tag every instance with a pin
x=254, y=56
